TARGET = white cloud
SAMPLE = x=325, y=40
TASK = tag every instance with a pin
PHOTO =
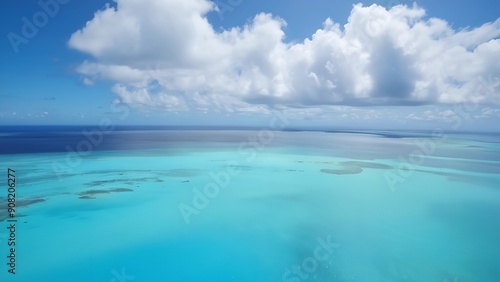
x=144, y=98
x=453, y=113
x=488, y=112
x=165, y=54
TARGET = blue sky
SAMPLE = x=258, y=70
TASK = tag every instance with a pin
x=161, y=62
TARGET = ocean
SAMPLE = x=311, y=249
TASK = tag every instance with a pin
x=212, y=204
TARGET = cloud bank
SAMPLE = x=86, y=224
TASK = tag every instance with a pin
x=165, y=54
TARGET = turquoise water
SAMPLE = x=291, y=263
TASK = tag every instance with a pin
x=300, y=206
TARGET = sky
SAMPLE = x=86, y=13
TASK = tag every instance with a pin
x=335, y=64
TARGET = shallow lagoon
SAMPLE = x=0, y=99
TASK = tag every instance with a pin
x=131, y=208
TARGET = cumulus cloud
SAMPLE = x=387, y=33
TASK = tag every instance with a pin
x=166, y=54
